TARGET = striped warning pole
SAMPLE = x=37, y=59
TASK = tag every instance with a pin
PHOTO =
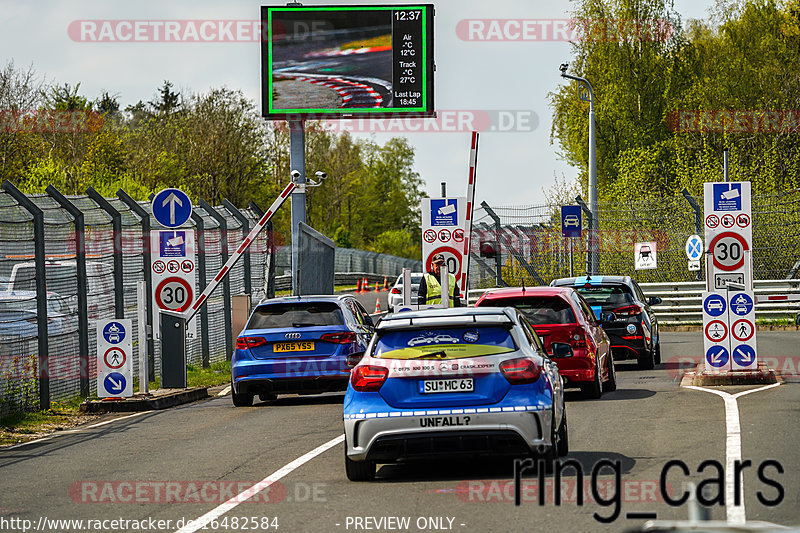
x=473, y=168
x=239, y=251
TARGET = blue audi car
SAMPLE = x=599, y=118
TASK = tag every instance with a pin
x=298, y=345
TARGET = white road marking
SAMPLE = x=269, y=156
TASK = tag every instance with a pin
x=733, y=449
x=76, y=430
x=224, y=391
x=223, y=508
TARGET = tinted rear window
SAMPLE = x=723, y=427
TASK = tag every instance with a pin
x=611, y=295
x=296, y=315
x=538, y=309
x=444, y=343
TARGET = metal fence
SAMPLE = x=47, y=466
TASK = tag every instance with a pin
x=533, y=252
x=89, y=252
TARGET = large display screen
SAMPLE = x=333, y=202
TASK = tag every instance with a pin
x=343, y=61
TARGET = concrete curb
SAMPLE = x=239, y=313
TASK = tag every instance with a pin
x=700, y=377
x=160, y=399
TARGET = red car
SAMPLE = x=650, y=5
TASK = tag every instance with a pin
x=561, y=315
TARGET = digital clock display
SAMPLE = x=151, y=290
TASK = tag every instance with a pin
x=344, y=61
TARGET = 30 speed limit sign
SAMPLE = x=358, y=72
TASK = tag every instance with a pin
x=728, y=251
x=174, y=293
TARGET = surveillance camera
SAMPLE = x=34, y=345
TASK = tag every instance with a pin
x=563, y=68
x=295, y=174
x=321, y=175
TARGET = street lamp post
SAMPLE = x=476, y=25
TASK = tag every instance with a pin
x=587, y=95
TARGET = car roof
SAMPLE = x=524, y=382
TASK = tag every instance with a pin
x=520, y=292
x=598, y=280
x=310, y=298
x=450, y=316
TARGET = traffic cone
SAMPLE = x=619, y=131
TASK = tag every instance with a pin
x=358, y=286
x=366, y=284
x=377, y=287
x=378, y=305
x=385, y=284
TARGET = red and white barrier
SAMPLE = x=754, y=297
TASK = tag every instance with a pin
x=239, y=251
x=473, y=169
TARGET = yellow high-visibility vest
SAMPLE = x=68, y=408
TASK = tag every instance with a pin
x=434, y=295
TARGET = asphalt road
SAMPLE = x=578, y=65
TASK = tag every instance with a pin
x=136, y=467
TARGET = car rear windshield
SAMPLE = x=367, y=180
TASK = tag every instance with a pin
x=607, y=295
x=538, y=309
x=296, y=315
x=444, y=343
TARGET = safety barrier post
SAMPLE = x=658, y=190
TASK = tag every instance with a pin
x=144, y=216
x=238, y=215
x=41, y=290
x=83, y=290
x=116, y=224
x=226, y=282
x=271, y=247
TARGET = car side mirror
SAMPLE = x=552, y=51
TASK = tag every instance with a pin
x=560, y=350
x=353, y=359
x=609, y=316
x=654, y=300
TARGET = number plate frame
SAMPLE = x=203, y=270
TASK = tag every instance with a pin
x=437, y=386
x=284, y=347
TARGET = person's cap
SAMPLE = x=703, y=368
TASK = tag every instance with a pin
x=438, y=258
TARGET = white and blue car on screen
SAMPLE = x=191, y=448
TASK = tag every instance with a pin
x=495, y=391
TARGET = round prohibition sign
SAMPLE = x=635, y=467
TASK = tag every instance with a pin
x=174, y=294
x=444, y=235
x=712, y=221
x=728, y=221
x=173, y=266
x=727, y=250
x=430, y=235
x=114, y=357
x=742, y=330
x=452, y=258
x=716, y=331
x=159, y=267
x=458, y=235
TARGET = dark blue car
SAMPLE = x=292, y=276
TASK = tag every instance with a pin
x=298, y=345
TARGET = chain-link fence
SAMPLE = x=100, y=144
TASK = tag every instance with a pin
x=533, y=251
x=40, y=239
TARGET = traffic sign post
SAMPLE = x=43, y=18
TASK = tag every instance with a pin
x=173, y=260
x=114, y=358
x=729, y=234
x=443, y=232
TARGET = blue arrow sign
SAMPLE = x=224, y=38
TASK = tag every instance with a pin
x=714, y=305
x=744, y=355
x=717, y=356
x=741, y=304
x=571, y=221
x=114, y=383
x=114, y=332
x=694, y=247
x=171, y=207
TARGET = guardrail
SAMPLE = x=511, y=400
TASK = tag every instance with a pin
x=284, y=283
x=682, y=301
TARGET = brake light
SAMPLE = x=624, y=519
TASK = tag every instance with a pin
x=368, y=378
x=629, y=310
x=520, y=371
x=578, y=339
x=395, y=290
x=243, y=343
x=342, y=337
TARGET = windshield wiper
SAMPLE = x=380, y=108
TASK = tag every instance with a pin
x=303, y=324
x=438, y=355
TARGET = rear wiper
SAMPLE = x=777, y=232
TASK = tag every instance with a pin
x=303, y=324
x=438, y=355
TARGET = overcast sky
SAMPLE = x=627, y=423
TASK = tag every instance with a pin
x=512, y=76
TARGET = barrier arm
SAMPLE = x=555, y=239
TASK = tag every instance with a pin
x=189, y=314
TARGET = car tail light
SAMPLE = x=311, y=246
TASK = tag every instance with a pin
x=395, y=290
x=243, y=343
x=578, y=339
x=629, y=310
x=519, y=371
x=342, y=337
x=368, y=378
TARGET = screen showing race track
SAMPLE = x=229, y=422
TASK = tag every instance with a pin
x=340, y=61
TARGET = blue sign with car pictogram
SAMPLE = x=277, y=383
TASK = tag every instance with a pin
x=741, y=304
x=714, y=305
x=114, y=332
x=571, y=222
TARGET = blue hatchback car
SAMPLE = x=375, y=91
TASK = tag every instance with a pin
x=460, y=381
x=298, y=345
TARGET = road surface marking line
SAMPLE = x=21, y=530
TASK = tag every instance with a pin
x=733, y=449
x=76, y=430
x=282, y=472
